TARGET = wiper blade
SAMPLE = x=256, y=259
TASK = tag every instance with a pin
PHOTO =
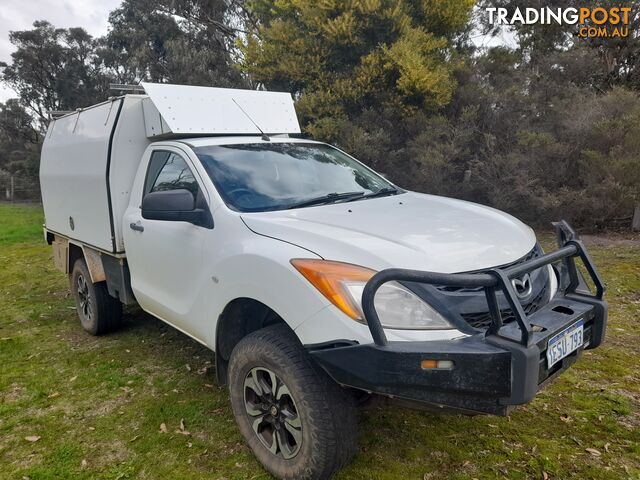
x=380, y=193
x=325, y=199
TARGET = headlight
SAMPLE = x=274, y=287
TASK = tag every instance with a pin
x=553, y=282
x=342, y=284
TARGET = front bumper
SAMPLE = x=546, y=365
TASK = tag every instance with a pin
x=491, y=371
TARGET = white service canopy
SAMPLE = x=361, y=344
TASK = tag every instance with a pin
x=222, y=111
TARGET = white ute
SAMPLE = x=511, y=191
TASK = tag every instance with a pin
x=316, y=281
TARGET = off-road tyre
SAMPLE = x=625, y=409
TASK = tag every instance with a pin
x=98, y=311
x=326, y=412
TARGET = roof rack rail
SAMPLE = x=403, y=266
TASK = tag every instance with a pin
x=59, y=113
x=124, y=88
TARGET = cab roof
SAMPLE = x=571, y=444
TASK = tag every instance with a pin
x=240, y=139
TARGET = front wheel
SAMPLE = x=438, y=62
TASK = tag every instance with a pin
x=298, y=422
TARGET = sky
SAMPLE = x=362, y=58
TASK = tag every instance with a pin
x=20, y=14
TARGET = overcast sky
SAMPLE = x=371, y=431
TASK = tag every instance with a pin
x=20, y=15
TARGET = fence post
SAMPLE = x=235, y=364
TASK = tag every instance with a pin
x=635, y=224
x=12, y=189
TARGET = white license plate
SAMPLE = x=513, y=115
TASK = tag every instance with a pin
x=565, y=343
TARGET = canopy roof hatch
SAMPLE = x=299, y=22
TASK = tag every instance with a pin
x=186, y=110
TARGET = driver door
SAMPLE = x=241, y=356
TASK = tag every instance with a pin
x=165, y=257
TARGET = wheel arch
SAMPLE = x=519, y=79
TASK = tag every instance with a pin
x=75, y=253
x=240, y=317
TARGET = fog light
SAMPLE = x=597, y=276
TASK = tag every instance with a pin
x=437, y=364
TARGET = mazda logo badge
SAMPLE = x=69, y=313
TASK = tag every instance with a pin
x=522, y=285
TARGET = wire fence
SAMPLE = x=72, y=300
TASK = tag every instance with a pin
x=19, y=188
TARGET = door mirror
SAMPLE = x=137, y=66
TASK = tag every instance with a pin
x=175, y=206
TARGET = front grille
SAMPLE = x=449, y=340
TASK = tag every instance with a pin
x=532, y=254
x=482, y=320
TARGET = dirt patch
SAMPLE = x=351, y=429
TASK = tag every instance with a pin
x=13, y=394
x=79, y=340
x=612, y=240
x=107, y=407
x=20, y=460
x=106, y=454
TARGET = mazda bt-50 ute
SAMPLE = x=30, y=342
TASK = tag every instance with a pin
x=316, y=281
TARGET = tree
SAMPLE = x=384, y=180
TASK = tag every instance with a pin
x=19, y=149
x=54, y=69
x=604, y=62
x=185, y=41
x=340, y=58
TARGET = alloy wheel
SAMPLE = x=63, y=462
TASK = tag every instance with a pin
x=272, y=412
x=84, y=297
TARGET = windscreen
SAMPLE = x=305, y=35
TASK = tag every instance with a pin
x=275, y=176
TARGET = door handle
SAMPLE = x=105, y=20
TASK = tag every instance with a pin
x=136, y=226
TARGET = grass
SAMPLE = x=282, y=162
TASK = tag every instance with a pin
x=20, y=223
x=96, y=404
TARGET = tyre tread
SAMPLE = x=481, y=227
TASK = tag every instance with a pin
x=327, y=400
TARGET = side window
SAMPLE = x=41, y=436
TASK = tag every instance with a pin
x=169, y=171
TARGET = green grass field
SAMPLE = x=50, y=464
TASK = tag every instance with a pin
x=76, y=406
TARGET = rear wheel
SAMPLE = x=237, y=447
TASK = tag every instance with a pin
x=298, y=422
x=98, y=311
